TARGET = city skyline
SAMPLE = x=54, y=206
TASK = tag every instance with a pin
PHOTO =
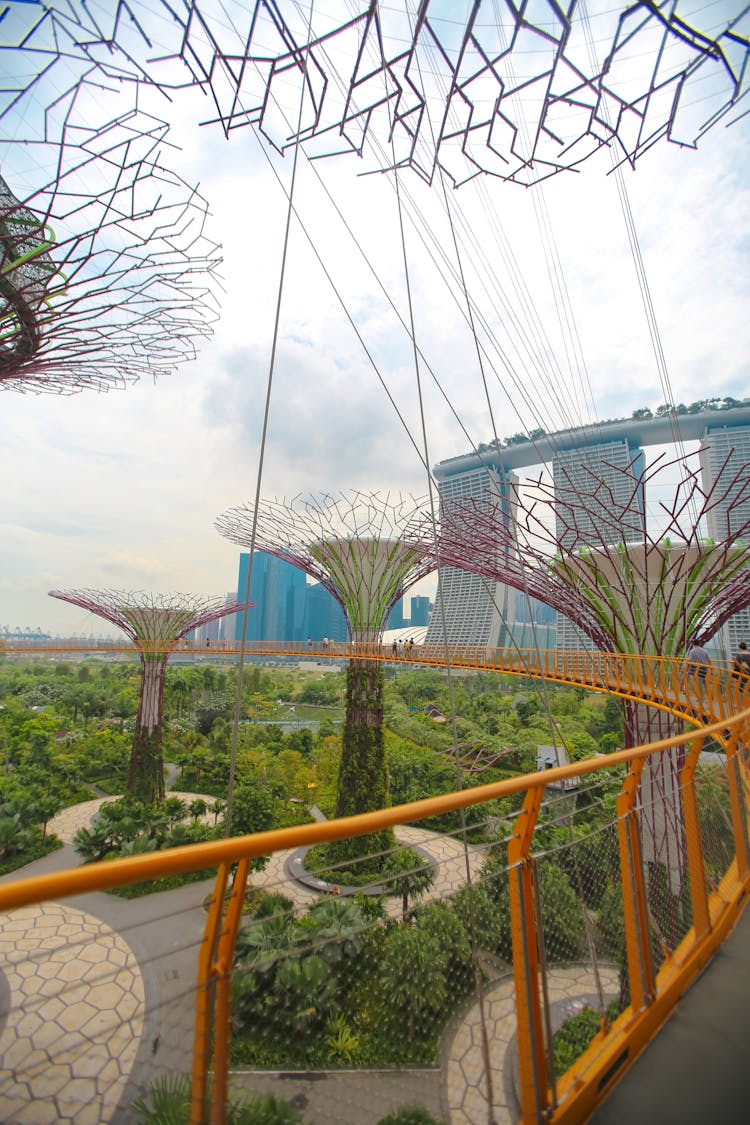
x=121, y=490
x=462, y=468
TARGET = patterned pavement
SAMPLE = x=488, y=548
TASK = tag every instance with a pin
x=75, y=1017
x=465, y=1090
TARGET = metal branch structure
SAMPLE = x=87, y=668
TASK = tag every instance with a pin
x=518, y=91
x=589, y=554
x=106, y=273
x=154, y=623
x=106, y=270
x=366, y=550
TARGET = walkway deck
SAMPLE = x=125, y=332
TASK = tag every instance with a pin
x=697, y=1069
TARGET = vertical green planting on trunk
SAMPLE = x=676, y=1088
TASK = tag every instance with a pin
x=363, y=772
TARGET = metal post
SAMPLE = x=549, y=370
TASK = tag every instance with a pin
x=695, y=858
x=739, y=809
x=223, y=1007
x=204, y=1000
x=532, y=1062
x=640, y=967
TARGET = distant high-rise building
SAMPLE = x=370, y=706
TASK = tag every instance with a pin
x=580, y=457
x=475, y=610
x=595, y=469
x=396, y=619
x=229, y=626
x=324, y=616
x=420, y=610
x=277, y=591
x=730, y=445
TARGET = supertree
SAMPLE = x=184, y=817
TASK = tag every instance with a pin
x=515, y=91
x=366, y=550
x=154, y=623
x=586, y=550
x=106, y=273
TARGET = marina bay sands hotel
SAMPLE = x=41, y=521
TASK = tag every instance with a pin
x=487, y=613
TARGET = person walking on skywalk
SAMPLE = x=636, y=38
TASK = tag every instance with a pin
x=697, y=654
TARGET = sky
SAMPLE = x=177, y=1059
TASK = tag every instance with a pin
x=122, y=489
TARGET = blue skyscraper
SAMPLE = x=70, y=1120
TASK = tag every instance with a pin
x=278, y=591
x=396, y=616
x=420, y=610
x=324, y=616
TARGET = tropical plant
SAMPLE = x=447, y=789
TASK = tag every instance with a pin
x=341, y=1042
x=410, y=1115
x=304, y=991
x=405, y=873
x=443, y=923
x=334, y=926
x=197, y=809
x=168, y=1103
x=413, y=979
x=13, y=835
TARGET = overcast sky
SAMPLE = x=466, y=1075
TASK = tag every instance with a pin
x=121, y=490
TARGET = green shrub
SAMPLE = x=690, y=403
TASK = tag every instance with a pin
x=34, y=850
x=573, y=1037
x=168, y=1103
x=410, y=1115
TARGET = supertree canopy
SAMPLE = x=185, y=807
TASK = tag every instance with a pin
x=105, y=267
x=154, y=623
x=366, y=549
x=588, y=552
x=516, y=90
x=105, y=270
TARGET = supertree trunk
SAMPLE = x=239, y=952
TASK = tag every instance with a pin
x=363, y=772
x=662, y=827
x=146, y=774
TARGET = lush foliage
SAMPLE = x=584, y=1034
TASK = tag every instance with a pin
x=409, y=1115
x=362, y=784
x=575, y=1034
x=168, y=1103
x=66, y=735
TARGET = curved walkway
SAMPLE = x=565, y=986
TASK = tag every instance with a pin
x=89, y=1027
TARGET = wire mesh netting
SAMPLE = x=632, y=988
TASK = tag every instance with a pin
x=715, y=818
x=359, y=985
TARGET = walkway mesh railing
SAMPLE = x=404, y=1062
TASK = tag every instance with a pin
x=504, y=956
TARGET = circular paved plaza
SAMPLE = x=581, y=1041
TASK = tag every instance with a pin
x=74, y=1019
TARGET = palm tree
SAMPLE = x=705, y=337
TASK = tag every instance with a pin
x=180, y=688
x=408, y=875
x=197, y=809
